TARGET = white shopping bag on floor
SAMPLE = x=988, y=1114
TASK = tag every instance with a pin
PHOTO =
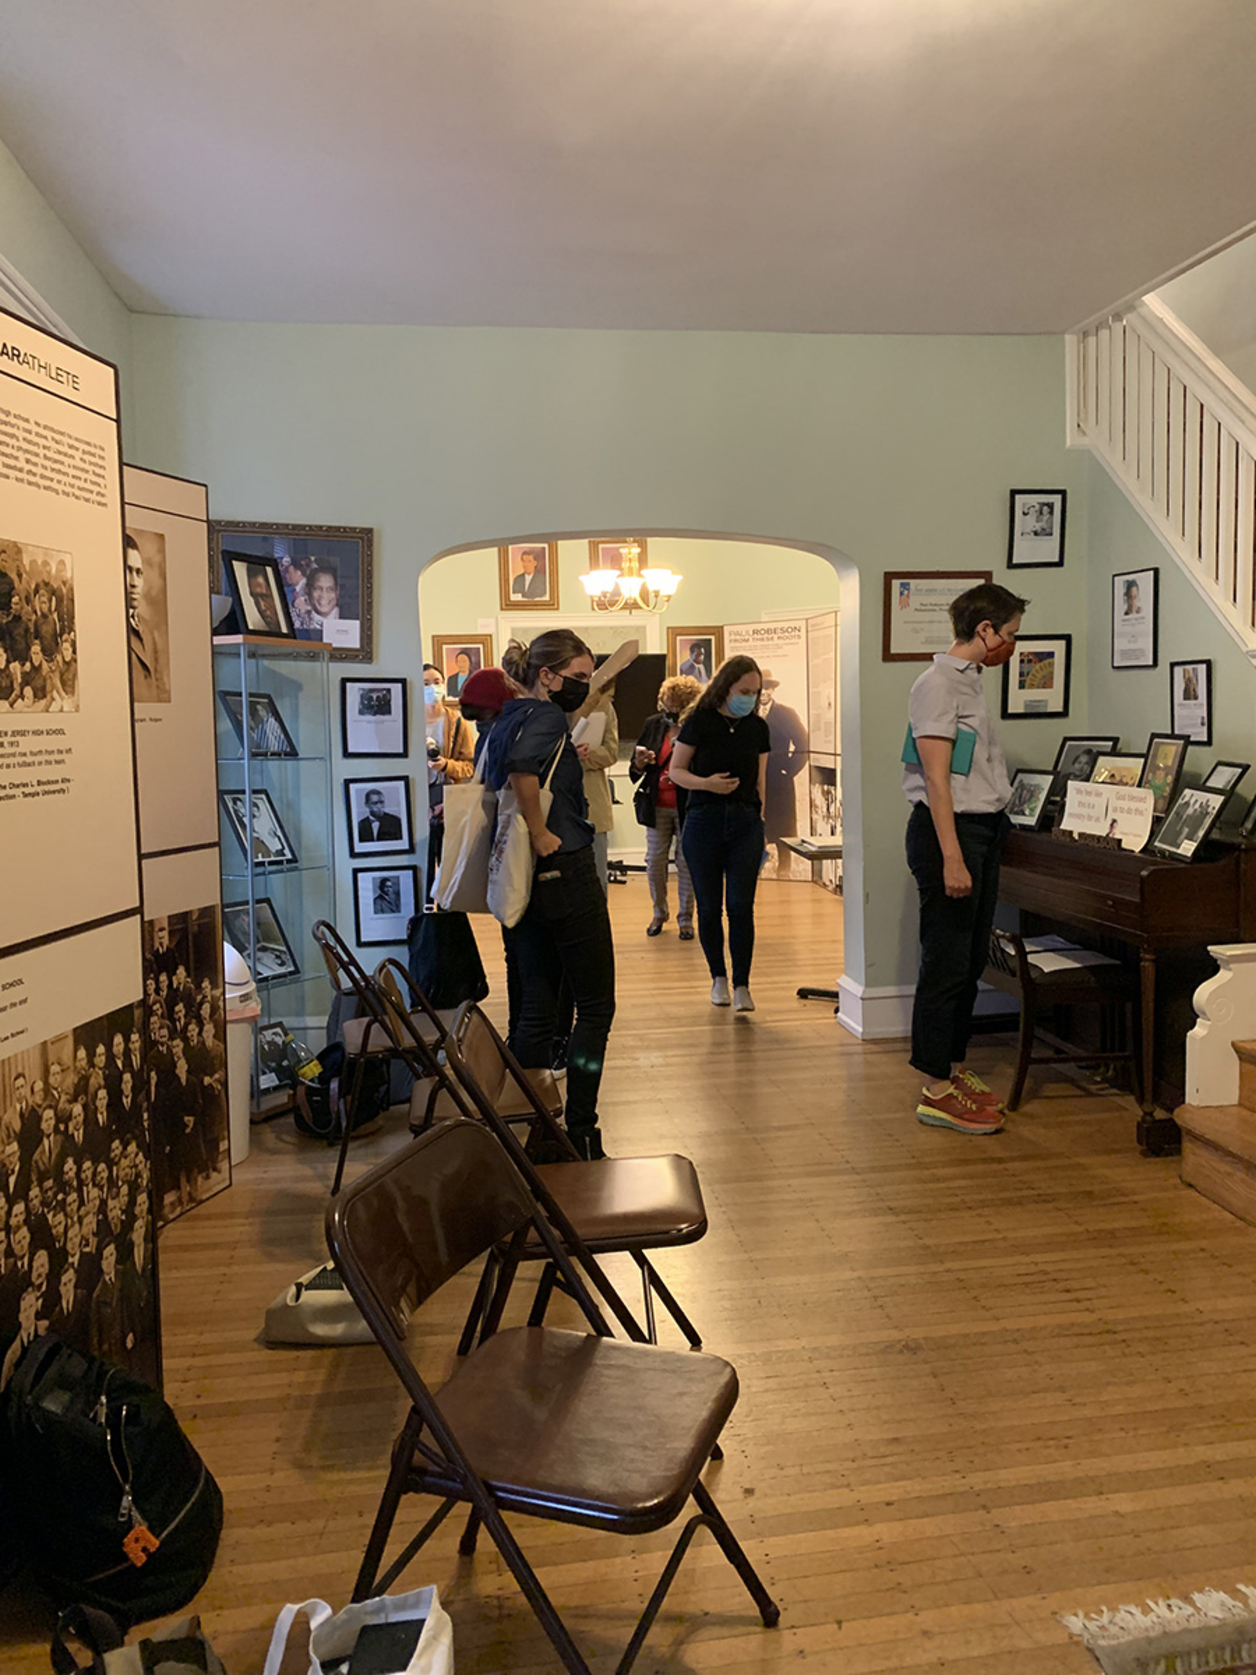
x=333, y=1638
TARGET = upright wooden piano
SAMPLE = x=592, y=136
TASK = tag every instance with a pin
x=1144, y=902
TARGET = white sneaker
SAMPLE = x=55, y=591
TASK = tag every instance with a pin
x=719, y=992
x=743, y=1001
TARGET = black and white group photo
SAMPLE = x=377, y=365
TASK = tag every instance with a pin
x=148, y=616
x=187, y=1061
x=76, y=1197
x=38, y=648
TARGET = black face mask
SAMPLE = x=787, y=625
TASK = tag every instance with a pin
x=671, y=716
x=570, y=695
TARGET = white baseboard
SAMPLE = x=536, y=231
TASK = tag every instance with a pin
x=885, y=1014
x=874, y=1014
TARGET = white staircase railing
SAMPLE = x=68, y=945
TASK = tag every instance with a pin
x=1178, y=432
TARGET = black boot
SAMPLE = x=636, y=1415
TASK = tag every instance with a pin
x=588, y=1142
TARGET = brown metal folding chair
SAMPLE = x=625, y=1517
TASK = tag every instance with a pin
x=575, y=1427
x=631, y=1204
x=365, y=1035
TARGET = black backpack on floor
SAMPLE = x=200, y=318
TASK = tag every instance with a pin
x=318, y=1106
x=115, y=1506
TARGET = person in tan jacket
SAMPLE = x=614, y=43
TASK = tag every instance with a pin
x=596, y=759
x=450, y=757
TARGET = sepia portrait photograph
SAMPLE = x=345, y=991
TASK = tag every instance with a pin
x=147, y=616
x=39, y=670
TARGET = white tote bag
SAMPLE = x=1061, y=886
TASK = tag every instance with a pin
x=333, y=1638
x=513, y=860
x=470, y=821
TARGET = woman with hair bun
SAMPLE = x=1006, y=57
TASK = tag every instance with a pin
x=566, y=930
x=721, y=760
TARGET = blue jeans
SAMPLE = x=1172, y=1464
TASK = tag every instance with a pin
x=723, y=845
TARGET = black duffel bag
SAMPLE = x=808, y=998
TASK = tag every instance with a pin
x=117, y=1509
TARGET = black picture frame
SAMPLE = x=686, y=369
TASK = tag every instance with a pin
x=383, y=734
x=1165, y=795
x=1036, y=522
x=1018, y=708
x=235, y=818
x=1174, y=834
x=271, y=936
x=298, y=550
x=403, y=843
x=373, y=929
x=239, y=571
x=1178, y=698
x=1136, y=645
x=1028, y=818
x=1070, y=749
x=268, y=732
x=1239, y=770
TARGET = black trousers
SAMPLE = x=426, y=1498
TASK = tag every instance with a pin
x=566, y=935
x=723, y=845
x=954, y=935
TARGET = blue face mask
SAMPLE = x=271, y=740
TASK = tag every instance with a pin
x=742, y=703
x=432, y=694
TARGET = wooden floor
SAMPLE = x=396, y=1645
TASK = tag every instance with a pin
x=983, y=1380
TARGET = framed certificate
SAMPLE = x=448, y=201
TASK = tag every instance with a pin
x=916, y=620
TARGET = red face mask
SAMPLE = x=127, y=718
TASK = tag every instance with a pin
x=1000, y=653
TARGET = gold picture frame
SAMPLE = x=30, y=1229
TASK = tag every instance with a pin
x=527, y=576
x=447, y=649
x=680, y=650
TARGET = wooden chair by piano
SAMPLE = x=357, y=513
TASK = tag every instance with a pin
x=1113, y=987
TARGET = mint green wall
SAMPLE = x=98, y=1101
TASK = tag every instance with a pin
x=38, y=245
x=894, y=451
x=1135, y=702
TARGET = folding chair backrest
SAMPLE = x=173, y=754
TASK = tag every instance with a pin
x=347, y=976
x=399, y=1232
x=400, y=988
x=479, y=1052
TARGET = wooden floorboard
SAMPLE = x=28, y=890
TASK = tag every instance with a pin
x=983, y=1380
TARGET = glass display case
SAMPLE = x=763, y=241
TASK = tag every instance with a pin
x=275, y=815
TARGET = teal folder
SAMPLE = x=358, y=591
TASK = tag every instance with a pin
x=961, y=755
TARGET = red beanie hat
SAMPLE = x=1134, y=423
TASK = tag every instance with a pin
x=488, y=690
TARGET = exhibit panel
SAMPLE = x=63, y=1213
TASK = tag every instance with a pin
x=66, y=751
x=168, y=642
x=185, y=1031
x=76, y=1203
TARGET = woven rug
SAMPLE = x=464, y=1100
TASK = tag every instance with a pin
x=1208, y=1634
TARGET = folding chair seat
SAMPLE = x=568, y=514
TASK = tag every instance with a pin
x=631, y=1204
x=577, y=1428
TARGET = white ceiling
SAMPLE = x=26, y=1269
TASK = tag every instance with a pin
x=770, y=165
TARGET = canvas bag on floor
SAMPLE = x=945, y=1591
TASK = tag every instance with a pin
x=332, y=1638
x=513, y=860
x=470, y=821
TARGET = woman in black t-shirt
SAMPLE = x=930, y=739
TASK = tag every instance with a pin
x=721, y=759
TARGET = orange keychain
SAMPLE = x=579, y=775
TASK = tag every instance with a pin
x=139, y=1543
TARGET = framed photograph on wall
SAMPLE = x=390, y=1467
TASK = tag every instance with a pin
x=373, y=718
x=1190, y=696
x=1030, y=790
x=695, y=651
x=272, y=847
x=325, y=573
x=273, y=957
x=1035, y=534
x=268, y=735
x=384, y=902
x=915, y=619
x=260, y=601
x=378, y=813
x=458, y=657
x=528, y=576
x=1136, y=619
x=609, y=555
x=1037, y=678
x=1162, y=766
x=1193, y=815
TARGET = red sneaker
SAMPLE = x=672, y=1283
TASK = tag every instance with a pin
x=980, y=1091
x=960, y=1110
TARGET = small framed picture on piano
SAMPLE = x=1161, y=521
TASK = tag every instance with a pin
x=1189, y=822
x=1030, y=790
